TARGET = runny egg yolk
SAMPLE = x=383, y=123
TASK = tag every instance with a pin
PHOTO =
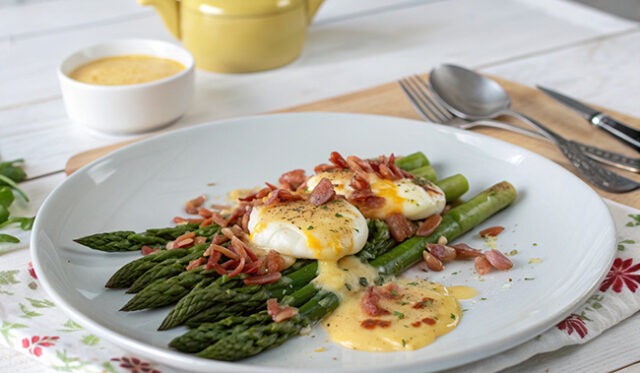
x=418, y=313
x=401, y=196
x=304, y=230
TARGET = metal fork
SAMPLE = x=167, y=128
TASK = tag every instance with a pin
x=430, y=109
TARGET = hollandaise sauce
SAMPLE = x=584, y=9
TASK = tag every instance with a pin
x=414, y=313
x=126, y=70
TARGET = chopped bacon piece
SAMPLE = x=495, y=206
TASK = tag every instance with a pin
x=204, y=212
x=293, y=179
x=416, y=324
x=212, y=263
x=391, y=291
x=372, y=323
x=355, y=164
x=269, y=278
x=429, y=321
x=179, y=220
x=400, y=227
x=170, y=245
x=338, y=160
x=219, y=207
x=322, y=193
x=239, y=268
x=230, y=264
x=359, y=182
x=273, y=262
x=323, y=167
x=491, y=231
x=206, y=222
x=281, y=195
x=199, y=239
x=146, y=250
x=191, y=207
x=369, y=303
x=464, y=251
x=195, y=220
x=498, y=260
x=400, y=173
x=271, y=186
x=433, y=263
x=387, y=173
x=482, y=265
x=245, y=222
x=219, y=239
x=422, y=303
x=182, y=244
x=253, y=266
x=196, y=263
x=442, y=252
x=278, y=313
x=429, y=225
x=223, y=250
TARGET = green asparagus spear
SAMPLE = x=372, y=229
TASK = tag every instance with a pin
x=379, y=240
x=168, y=268
x=128, y=274
x=111, y=241
x=246, y=298
x=412, y=161
x=425, y=172
x=457, y=221
x=455, y=186
x=208, y=333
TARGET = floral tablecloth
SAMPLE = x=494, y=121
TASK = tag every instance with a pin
x=33, y=325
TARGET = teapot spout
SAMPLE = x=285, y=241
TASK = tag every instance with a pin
x=312, y=8
x=169, y=11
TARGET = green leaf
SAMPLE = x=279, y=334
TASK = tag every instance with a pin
x=40, y=303
x=27, y=314
x=5, y=330
x=8, y=238
x=16, y=174
x=25, y=222
x=4, y=215
x=90, y=340
x=7, y=164
x=628, y=241
x=70, y=326
x=6, y=197
x=8, y=277
x=13, y=185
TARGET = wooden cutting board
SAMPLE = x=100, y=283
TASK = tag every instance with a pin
x=388, y=99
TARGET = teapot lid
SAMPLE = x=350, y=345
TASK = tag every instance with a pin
x=241, y=7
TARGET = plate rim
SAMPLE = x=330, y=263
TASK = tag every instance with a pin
x=173, y=358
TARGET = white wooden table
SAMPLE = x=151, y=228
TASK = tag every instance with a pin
x=353, y=44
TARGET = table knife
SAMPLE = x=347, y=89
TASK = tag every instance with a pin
x=630, y=136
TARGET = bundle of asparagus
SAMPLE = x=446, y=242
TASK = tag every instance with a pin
x=229, y=318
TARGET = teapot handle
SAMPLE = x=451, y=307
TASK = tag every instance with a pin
x=169, y=11
x=312, y=8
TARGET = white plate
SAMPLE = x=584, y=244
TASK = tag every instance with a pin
x=556, y=218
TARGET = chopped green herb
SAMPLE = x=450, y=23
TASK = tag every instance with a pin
x=529, y=278
x=453, y=316
x=363, y=281
x=403, y=303
x=394, y=293
x=399, y=314
x=483, y=298
x=347, y=286
x=404, y=343
x=513, y=252
x=345, y=269
x=412, y=284
x=338, y=215
x=310, y=227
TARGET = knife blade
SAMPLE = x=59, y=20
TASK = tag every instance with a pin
x=621, y=131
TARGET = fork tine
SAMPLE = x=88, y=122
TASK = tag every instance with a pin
x=434, y=101
x=426, y=100
x=413, y=98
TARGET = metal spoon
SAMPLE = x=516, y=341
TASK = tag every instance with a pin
x=472, y=96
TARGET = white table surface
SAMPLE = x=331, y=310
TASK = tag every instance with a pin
x=352, y=44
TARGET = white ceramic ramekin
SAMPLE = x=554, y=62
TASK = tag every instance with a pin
x=128, y=108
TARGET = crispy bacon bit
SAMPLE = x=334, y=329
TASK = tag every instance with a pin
x=391, y=291
x=264, y=279
x=355, y=164
x=253, y=266
x=273, y=262
x=281, y=195
x=170, y=245
x=359, y=182
x=219, y=239
x=199, y=239
x=278, y=313
x=239, y=268
x=429, y=321
x=416, y=324
x=196, y=263
x=429, y=225
x=179, y=220
x=146, y=250
x=323, y=167
x=482, y=265
x=219, y=207
x=423, y=303
x=204, y=212
x=433, y=263
x=322, y=193
x=491, y=231
x=369, y=303
x=245, y=222
x=186, y=240
x=223, y=250
x=372, y=323
x=464, y=251
x=212, y=263
x=400, y=227
x=442, y=252
x=191, y=207
x=498, y=260
x=272, y=306
x=293, y=179
x=206, y=222
x=338, y=160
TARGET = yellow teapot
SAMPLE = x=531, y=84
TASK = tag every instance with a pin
x=238, y=36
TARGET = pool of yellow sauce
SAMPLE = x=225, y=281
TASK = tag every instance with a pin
x=346, y=277
x=126, y=70
x=408, y=329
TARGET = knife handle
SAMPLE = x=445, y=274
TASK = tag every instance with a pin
x=629, y=135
